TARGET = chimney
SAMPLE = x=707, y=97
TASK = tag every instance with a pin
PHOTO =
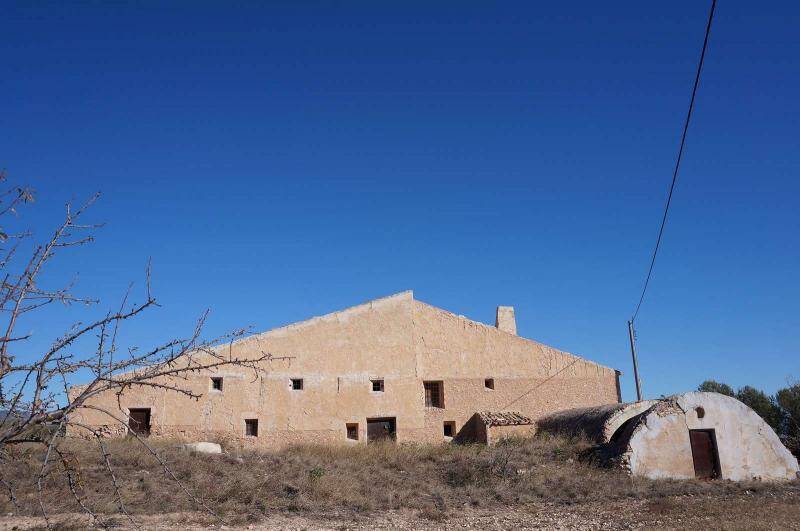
x=505, y=320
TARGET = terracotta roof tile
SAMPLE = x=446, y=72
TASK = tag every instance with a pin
x=505, y=418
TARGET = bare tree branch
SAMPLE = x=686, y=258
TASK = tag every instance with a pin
x=34, y=389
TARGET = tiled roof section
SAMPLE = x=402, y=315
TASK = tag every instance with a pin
x=505, y=418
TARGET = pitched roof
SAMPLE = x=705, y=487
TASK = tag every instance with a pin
x=402, y=296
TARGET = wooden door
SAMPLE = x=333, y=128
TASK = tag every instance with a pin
x=704, y=454
x=139, y=421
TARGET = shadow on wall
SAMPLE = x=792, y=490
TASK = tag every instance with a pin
x=540, y=384
x=488, y=427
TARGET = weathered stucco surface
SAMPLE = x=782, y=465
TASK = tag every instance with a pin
x=397, y=339
x=652, y=438
x=748, y=448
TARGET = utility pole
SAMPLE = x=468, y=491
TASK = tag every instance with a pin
x=632, y=336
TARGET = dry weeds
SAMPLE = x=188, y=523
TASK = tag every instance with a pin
x=434, y=482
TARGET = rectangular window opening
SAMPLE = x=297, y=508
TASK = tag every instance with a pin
x=297, y=384
x=139, y=421
x=216, y=383
x=489, y=383
x=251, y=427
x=377, y=386
x=449, y=428
x=381, y=429
x=352, y=431
x=434, y=394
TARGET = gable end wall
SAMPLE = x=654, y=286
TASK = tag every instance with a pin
x=396, y=339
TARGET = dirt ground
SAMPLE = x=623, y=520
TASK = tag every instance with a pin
x=741, y=511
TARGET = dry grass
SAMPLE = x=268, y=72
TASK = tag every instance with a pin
x=434, y=481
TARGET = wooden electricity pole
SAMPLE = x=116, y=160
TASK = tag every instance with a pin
x=632, y=336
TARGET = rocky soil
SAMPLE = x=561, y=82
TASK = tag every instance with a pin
x=741, y=511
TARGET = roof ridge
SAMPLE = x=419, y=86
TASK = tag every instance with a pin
x=401, y=295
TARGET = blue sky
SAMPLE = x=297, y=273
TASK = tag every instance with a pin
x=285, y=160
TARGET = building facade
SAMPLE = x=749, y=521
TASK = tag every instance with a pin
x=394, y=367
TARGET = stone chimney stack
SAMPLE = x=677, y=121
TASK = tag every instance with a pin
x=505, y=320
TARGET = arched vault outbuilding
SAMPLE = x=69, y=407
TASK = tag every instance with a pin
x=705, y=435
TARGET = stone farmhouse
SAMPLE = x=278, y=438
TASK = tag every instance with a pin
x=391, y=368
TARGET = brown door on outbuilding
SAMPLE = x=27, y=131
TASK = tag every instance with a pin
x=382, y=429
x=139, y=422
x=704, y=454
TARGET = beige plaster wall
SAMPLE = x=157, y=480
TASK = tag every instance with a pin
x=496, y=434
x=529, y=377
x=398, y=339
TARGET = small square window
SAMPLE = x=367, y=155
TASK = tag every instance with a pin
x=251, y=427
x=216, y=383
x=377, y=386
x=297, y=384
x=449, y=428
x=352, y=431
x=489, y=383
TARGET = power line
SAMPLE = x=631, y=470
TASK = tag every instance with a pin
x=678, y=162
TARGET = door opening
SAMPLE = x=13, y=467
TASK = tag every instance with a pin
x=383, y=429
x=704, y=454
x=139, y=421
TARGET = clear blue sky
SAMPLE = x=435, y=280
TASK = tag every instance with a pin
x=287, y=160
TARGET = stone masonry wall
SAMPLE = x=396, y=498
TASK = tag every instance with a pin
x=528, y=377
x=397, y=339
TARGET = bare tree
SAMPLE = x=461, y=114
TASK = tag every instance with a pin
x=34, y=387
